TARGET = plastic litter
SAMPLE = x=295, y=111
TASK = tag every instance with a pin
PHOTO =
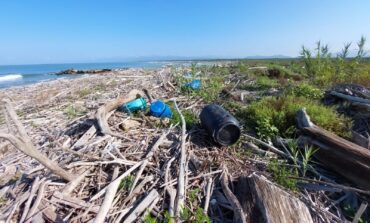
x=135, y=105
x=194, y=84
x=160, y=109
x=220, y=124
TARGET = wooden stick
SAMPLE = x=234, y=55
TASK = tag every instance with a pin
x=118, y=179
x=37, y=202
x=208, y=195
x=239, y=215
x=270, y=147
x=34, y=188
x=170, y=190
x=147, y=157
x=346, y=188
x=359, y=212
x=140, y=208
x=180, y=196
x=73, y=184
x=108, y=199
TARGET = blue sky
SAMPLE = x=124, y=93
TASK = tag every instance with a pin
x=47, y=31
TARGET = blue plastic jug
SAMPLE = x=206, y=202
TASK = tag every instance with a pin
x=194, y=84
x=160, y=109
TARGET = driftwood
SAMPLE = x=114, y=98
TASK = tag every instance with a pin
x=262, y=201
x=145, y=204
x=350, y=98
x=180, y=196
x=108, y=199
x=102, y=113
x=346, y=158
x=24, y=144
x=239, y=215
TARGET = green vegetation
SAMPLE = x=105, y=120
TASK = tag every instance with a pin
x=2, y=201
x=276, y=115
x=127, y=182
x=305, y=90
x=211, y=84
x=281, y=175
x=73, y=112
x=325, y=70
x=198, y=217
x=261, y=83
x=190, y=117
x=84, y=92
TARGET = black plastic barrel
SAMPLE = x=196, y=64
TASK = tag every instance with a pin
x=220, y=124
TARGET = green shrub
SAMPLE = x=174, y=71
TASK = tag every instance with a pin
x=280, y=113
x=261, y=83
x=127, y=182
x=281, y=175
x=278, y=71
x=211, y=86
x=305, y=90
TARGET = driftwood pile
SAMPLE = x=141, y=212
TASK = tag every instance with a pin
x=108, y=166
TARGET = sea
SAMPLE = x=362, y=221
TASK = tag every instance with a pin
x=18, y=75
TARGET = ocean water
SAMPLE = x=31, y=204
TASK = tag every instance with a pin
x=18, y=75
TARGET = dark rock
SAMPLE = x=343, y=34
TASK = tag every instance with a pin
x=74, y=71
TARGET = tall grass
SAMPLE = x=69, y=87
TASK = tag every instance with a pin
x=323, y=69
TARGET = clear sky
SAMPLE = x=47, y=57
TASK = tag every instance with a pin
x=58, y=31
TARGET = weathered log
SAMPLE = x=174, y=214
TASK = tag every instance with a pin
x=344, y=157
x=350, y=98
x=262, y=201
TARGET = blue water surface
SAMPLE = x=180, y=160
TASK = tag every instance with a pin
x=17, y=75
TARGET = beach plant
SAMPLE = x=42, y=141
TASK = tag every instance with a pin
x=324, y=70
x=306, y=158
x=150, y=219
x=73, y=112
x=293, y=146
x=84, y=92
x=281, y=111
x=201, y=217
x=193, y=194
x=305, y=90
x=282, y=175
x=127, y=182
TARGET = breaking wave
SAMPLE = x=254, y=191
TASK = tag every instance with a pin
x=10, y=77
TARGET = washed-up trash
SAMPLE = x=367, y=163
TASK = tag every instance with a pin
x=188, y=75
x=160, y=109
x=194, y=84
x=220, y=124
x=135, y=105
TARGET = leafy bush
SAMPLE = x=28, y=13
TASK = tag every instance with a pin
x=211, y=85
x=261, y=83
x=279, y=113
x=305, y=90
x=281, y=175
x=278, y=71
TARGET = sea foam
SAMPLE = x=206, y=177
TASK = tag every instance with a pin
x=10, y=77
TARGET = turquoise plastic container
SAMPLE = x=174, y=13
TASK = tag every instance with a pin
x=135, y=105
